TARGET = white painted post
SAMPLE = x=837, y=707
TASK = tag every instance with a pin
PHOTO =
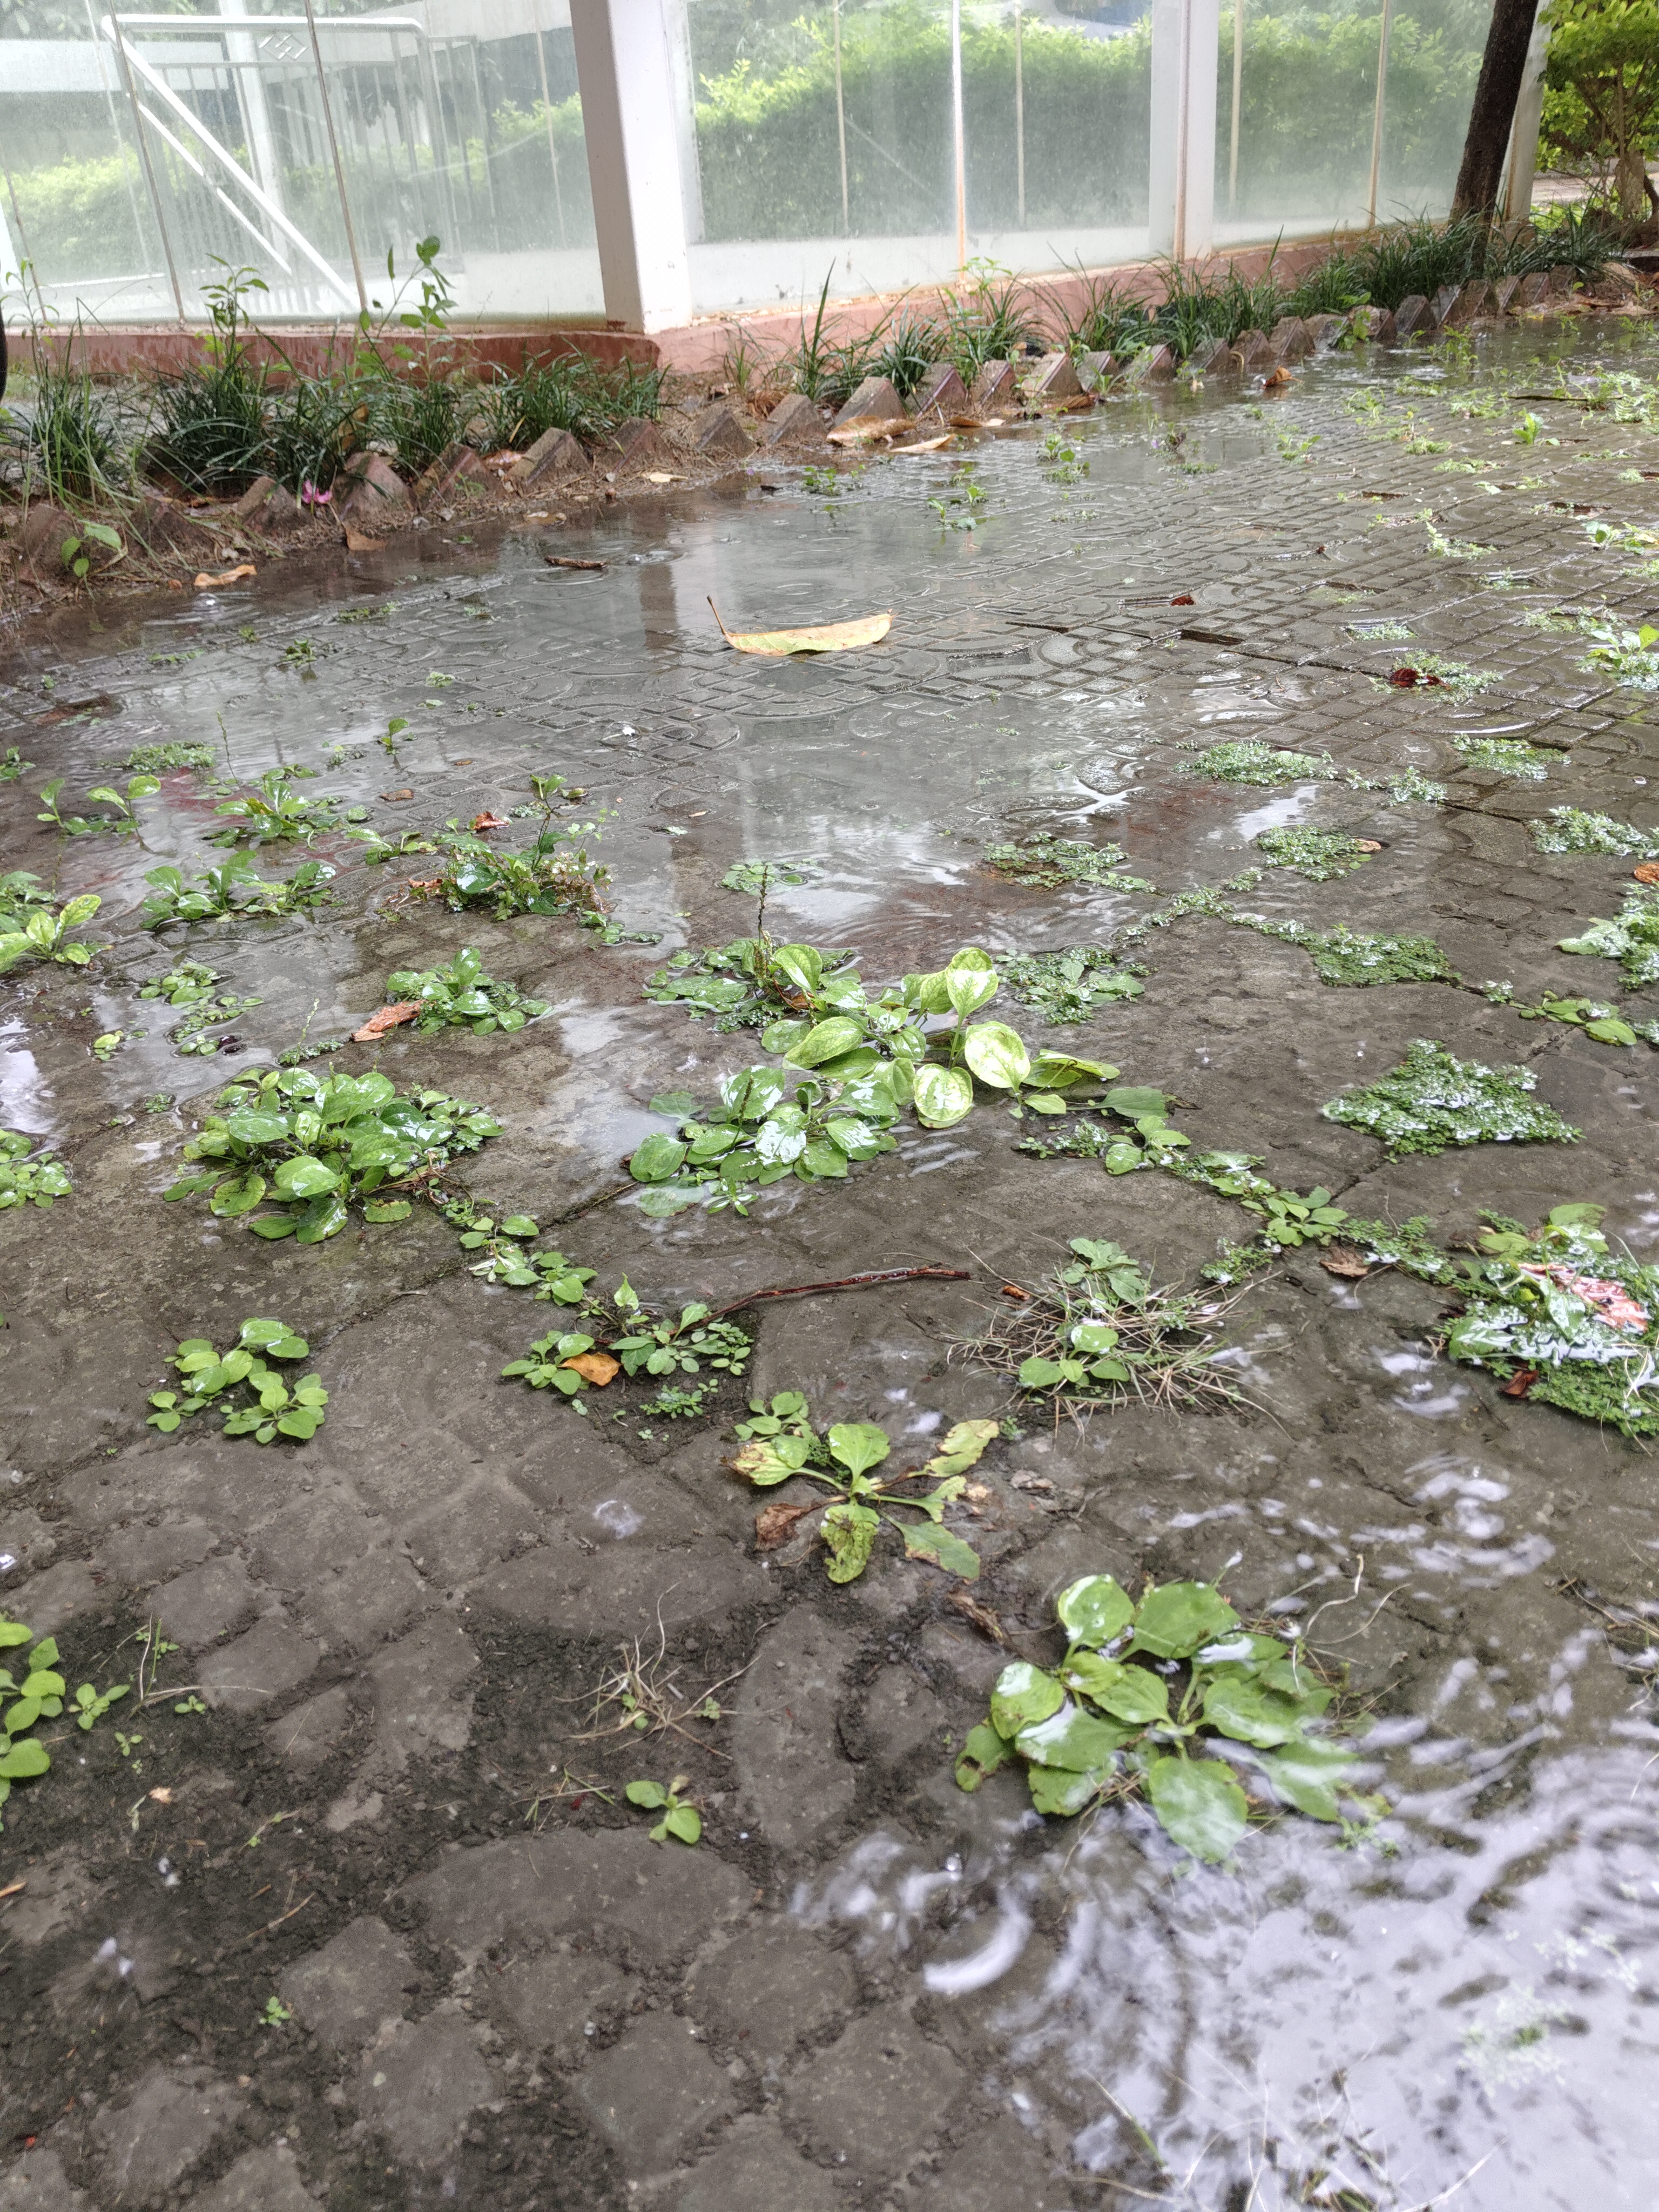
x=631, y=122
x=1521, y=168
x=1181, y=196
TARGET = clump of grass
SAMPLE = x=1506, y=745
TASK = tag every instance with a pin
x=1097, y=1334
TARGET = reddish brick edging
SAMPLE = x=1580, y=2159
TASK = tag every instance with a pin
x=697, y=349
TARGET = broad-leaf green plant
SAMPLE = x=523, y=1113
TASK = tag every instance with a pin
x=461, y=996
x=840, y=1462
x=310, y=1147
x=26, y=1181
x=1144, y=1696
x=37, y=933
x=241, y=1385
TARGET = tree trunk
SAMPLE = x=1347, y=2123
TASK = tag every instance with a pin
x=1480, y=179
x=1630, y=170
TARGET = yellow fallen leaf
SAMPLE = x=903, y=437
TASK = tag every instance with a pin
x=925, y=445
x=598, y=1368
x=825, y=637
x=659, y=476
x=867, y=429
x=205, y=582
x=161, y=1797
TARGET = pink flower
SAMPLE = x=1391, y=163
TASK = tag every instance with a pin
x=310, y=496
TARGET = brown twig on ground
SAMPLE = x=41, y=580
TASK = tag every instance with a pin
x=849, y=1283
x=564, y=561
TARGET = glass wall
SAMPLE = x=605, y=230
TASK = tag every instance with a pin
x=1341, y=116
x=143, y=152
x=824, y=141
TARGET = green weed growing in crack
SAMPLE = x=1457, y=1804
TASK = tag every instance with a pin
x=29, y=1177
x=841, y=1463
x=1071, y=985
x=1097, y=1334
x=1432, y=1101
x=1056, y=863
x=1143, y=1686
x=1570, y=829
x=1631, y=938
x=680, y=1818
x=1320, y=855
x=41, y=1694
x=239, y=1383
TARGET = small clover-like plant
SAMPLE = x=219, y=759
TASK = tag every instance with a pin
x=783, y=1445
x=1433, y=1100
x=1142, y=1688
x=679, y=1819
x=25, y=1180
x=239, y=1383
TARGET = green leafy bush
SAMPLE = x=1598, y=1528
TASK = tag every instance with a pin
x=313, y=1145
x=252, y=1397
x=29, y=930
x=1141, y=1688
x=1631, y=939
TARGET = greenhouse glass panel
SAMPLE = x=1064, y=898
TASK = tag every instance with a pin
x=1057, y=120
x=823, y=140
x=1304, y=142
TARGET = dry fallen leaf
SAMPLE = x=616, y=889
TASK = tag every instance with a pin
x=659, y=476
x=1183, y=599
x=925, y=445
x=1647, y=871
x=483, y=823
x=385, y=1018
x=1281, y=377
x=1345, y=1260
x=1520, y=1382
x=598, y=1368
x=1014, y=1291
x=563, y=561
x=1367, y=844
x=392, y=797
x=870, y=429
x=205, y=582
x=826, y=637
x=775, y=1524
x=161, y=1797
x=981, y=1615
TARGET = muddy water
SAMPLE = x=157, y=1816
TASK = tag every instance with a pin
x=962, y=2003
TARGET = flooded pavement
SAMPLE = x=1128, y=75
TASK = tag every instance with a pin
x=355, y=1912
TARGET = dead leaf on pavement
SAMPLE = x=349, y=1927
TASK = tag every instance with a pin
x=1520, y=1382
x=392, y=797
x=981, y=1615
x=824, y=637
x=483, y=823
x=872, y=429
x=1367, y=844
x=598, y=1368
x=1183, y=599
x=924, y=445
x=775, y=1522
x=161, y=1797
x=1281, y=377
x=385, y=1018
x=205, y=582
x=1345, y=1260
x=1647, y=871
